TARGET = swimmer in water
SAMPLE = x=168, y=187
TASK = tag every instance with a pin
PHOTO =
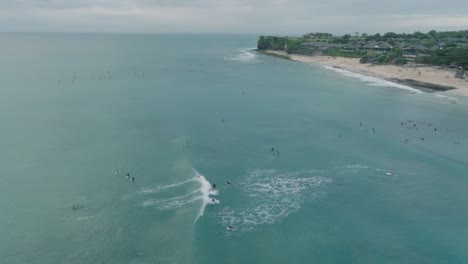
x=213, y=186
x=128, y=175
x=133, y=179
x=272, y=149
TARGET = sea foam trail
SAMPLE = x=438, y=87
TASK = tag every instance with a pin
x=160, y=188
x=372, y=80
x=203, y=193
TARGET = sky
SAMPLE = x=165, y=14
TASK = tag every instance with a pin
x=290, y=17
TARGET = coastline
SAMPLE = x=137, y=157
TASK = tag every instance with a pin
x=429, y=77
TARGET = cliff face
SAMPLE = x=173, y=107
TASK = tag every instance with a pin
x=271, y=43
x=290, y=45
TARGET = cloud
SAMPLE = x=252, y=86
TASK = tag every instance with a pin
x=249, y=16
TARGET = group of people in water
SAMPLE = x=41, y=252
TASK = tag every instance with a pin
x=77, y=206
x=126, y=175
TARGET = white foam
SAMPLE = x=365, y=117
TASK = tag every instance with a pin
x=372, y=80
x=206, y=190
x=151, y=202
x=203, y=194
x=272, y=197
x=445, y=96
x=84, y=218
x=357, y=166
x=245, y=55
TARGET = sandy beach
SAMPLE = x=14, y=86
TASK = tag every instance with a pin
x=427, y=74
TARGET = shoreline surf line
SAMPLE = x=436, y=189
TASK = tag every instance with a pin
x=418, y=77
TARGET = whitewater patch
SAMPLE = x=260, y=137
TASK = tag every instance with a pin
x=84, y=218
x=245, y=55
x=203, y=193
x=372, y=80
x=271, y=197
x=446, y=96
x=356, y=166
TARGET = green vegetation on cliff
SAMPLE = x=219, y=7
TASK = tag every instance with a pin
x=439, y=48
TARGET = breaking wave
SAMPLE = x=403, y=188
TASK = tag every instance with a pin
x=245, y=55
x=190, y=194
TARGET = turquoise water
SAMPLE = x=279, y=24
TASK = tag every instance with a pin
x=181, y=112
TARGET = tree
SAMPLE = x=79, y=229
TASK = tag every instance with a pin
x=389, y=35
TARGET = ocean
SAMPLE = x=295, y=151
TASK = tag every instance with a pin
x=323, y=165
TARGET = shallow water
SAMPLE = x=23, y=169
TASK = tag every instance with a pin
x=350, y=183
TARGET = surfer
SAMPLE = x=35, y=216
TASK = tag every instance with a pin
x=213, y=200
x=133, y=179
x=230, y=227
x=229, y=183
x=128, y=175
x=213, y=186
x=272, y=149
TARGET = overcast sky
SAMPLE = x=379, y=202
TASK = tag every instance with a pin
x=232, y=16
